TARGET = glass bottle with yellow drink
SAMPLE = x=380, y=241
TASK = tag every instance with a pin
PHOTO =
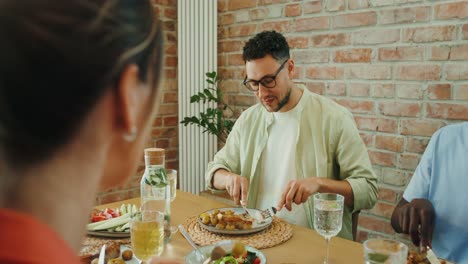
x=155, y=188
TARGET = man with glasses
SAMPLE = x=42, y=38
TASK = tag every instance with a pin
x=292, y=144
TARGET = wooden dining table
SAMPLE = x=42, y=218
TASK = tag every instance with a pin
x=305, y=246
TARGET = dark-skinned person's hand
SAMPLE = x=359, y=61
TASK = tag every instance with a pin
x=416, y=219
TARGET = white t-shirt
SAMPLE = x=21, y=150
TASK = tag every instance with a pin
x=277, y=166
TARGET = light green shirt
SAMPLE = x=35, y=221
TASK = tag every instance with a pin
x=328, y=146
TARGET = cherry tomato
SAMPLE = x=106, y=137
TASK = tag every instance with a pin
x=97, y=218
x=257, y=261
x=111, y=213
x=115, y=214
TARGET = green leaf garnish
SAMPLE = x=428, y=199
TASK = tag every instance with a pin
x=157, y=177
x=378, y=257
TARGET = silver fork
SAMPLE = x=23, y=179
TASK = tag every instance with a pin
x=246, y=213
x=269, y=212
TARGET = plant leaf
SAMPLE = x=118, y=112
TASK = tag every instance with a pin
x=212, y=120
x=209, y=95
x=194, y=98
x=211, y=75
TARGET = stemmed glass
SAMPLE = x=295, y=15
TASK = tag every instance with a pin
x=328, y=216
x=147, y=234
x=172, y=178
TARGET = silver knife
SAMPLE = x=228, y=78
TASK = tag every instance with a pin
x=431, y=256
x=102, y=255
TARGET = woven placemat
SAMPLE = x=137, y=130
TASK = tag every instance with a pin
x=278, y=232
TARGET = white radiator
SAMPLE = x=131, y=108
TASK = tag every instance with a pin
x=197, y=54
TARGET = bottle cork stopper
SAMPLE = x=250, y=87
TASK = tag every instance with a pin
x=155, y=152
x=154, y=156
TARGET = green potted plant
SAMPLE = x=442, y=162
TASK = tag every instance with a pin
x=212, y=119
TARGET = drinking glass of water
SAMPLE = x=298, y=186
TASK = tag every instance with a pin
x=172, y=176
x=328, y=216
x=147, y=234
x=384, y=251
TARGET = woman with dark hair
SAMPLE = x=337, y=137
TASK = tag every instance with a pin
x=78, y=91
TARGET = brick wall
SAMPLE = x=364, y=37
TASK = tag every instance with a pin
x=164, y=133
x=400, y=66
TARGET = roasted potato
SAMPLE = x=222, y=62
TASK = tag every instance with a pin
x=238, y=249
x=213, y=220
x=127, y=255
x=226, y=220
x=206, y=219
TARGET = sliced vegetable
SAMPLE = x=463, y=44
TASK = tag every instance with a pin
x=113, y=220
x=126, y=226
x=157, y=177
x=97, y=218
x=102, y=225
x=123, y=209
x=129, y=208
x=112, y=223
x=226, y=260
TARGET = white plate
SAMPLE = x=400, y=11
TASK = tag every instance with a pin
x=191, y=258
x=256, y=225
x=109, y=234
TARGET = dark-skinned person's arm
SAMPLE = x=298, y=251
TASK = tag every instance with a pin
x=415, y=218
x=414, y=215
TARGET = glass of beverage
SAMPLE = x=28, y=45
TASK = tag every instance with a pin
x=384, y=251
x=172, y=176
x=147, y=234
x=328, y=216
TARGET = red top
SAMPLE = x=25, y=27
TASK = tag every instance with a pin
x=24, y=239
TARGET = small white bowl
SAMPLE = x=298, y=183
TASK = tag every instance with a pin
x=227, y=245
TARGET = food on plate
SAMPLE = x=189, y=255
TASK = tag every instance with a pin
x=116, y=261
x=91, y=249
x=419, y=258
x=217, y=253
x=226, y=220
x=238, y=255
x=127, y=255
x=112, y=220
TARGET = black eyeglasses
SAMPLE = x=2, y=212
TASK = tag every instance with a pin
x=266, y=81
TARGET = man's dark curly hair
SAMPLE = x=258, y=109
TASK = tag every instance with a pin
x=266, y=43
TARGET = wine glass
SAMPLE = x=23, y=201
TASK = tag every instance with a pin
x=328, y=216
x=172, y=177
x=147, y=234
